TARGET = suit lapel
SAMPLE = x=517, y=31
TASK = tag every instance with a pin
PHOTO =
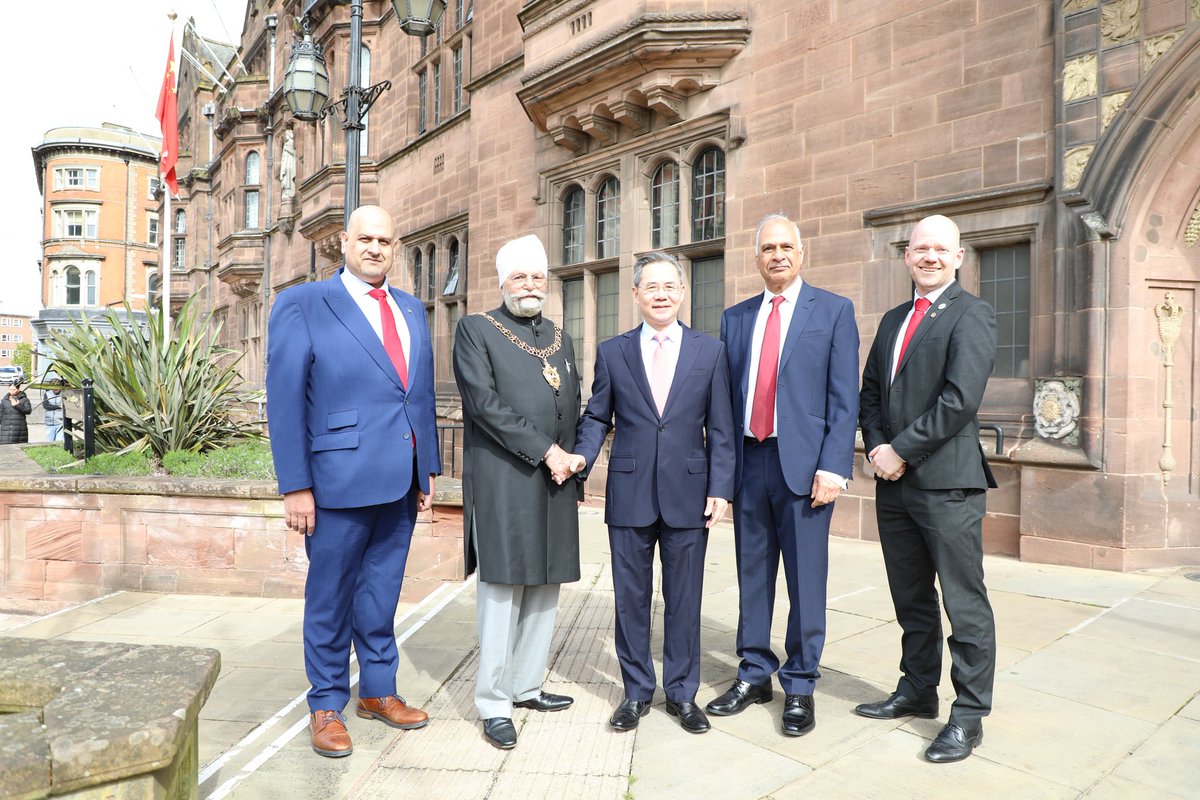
x=804, y=309
x=689, y=348
x=933, y=316
x=742, y=330
x=343, y=306
x=631, y=349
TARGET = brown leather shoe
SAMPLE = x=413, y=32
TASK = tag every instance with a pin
x=393, y=711
x=329, y=735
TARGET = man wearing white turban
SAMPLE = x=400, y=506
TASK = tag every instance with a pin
x=519, y=385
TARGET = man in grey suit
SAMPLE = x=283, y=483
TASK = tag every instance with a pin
x=922, y=387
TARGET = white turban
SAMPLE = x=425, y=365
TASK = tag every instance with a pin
x=526, y=253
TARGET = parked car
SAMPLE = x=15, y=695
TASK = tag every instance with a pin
x=11, y=374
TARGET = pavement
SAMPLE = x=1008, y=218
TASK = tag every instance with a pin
x=1097, y=695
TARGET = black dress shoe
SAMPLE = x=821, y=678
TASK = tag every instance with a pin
x=500, y=732
x=690, y=716
x=954, y=744
x=544, y=701
x=628, y=714
x=740, y=695
x=898, y=706
x=799, y=714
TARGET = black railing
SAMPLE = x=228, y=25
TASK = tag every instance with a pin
x=451, y=440
x=996, y=429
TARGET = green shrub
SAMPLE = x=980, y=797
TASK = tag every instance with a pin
x=154, y=393
x=49, y=457
x=183, y=463
x=135, y=462
x=248, y=461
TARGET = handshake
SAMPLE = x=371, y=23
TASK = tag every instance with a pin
x=563, y=465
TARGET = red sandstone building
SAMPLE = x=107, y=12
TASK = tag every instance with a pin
x=1060, y=134
x=15, y=330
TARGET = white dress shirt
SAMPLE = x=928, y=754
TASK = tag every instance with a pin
x=360, y=291
x=788, y=307
x=932, y=297
x=670, y=349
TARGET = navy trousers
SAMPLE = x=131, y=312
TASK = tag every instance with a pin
x=356, y=567
x=770, y=523
x=681, y=551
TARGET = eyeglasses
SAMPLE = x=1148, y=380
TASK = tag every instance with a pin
x=672, y=289
x=520, y=279
x=940, y=253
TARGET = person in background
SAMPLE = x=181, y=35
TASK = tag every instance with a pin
x=14, y=408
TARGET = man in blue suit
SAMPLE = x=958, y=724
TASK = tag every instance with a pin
x=670, y=477
x=793, y=362
x=350, y=407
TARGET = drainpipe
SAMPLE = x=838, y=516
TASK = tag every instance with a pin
x=267, y=224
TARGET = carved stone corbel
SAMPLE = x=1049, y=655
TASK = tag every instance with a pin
x=600, y=128
x=633, y=116
x=569, y=138
x=665, y=102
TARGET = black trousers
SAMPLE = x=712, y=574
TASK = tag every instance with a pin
x=927, y=533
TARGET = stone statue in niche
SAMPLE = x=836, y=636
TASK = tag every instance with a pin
x=287, y=166
x=1079, y=78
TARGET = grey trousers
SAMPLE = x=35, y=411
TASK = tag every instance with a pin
x=515, y=625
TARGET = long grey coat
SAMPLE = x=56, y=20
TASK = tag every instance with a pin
x=524, y=526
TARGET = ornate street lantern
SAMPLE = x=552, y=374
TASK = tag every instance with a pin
x=419, y=17
x=306, y=81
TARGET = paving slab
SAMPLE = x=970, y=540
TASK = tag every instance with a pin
x=1168, y=761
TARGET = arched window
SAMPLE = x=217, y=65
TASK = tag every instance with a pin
x=451, y=286
x=252, y=171
x=72, y=286
x=664, y=206
x=90, y=283
x=608, y=219
x=708, y=195
x=572, y=229
x=431, y=273
x=416, y=271
x=180, y=222
x=152, y=288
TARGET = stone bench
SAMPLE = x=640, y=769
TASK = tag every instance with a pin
x=99, y=719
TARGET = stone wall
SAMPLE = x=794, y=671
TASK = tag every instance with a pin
x=75, y=538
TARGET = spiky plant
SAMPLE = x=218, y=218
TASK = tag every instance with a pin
x=153, y=392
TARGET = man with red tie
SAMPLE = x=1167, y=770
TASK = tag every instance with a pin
x=793, y=364
x=922, y=387
x=350, y=406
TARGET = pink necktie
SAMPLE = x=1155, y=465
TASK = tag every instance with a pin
x=391, y=339
x=762, y=414
x=660, y=373
x=920, y=307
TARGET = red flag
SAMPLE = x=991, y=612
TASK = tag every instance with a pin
x=168, y=119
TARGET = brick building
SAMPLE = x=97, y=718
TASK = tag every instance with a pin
x=101, y=233
x=14, y=330
x=1061, y=134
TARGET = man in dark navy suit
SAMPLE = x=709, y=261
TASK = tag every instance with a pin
x=793, y=363
x=922, y=387
x=670, y=477
x=350, y=406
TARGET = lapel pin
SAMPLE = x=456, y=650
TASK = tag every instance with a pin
x=941, y=306
x=934, y=314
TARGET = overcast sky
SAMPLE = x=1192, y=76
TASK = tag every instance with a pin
x=79, y=62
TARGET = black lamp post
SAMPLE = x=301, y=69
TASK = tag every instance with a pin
x=306, y=82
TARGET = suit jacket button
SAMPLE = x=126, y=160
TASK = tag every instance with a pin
x=662, y=427
x=406, y=436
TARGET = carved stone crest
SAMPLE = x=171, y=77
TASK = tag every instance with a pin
x=1074, y=163
x=1079, y=78
x=1120, y=21
x=1056, y=406
x=1191, y=234
x=1156, y=47
x=1110, y=104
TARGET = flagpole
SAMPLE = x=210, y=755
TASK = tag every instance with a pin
x=168, y=226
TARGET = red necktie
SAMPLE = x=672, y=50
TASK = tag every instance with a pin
x=391, y=339
x=762, y=414
x=922, y=305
